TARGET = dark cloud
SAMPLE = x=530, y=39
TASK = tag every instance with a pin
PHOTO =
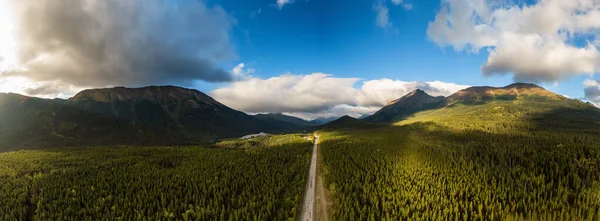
x=43, y=90
x=95, y=43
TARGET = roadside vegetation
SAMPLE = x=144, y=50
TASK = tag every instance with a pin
x=500, y=160
x=255, y=179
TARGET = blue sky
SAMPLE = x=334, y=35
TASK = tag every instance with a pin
x=330, y=57
x=341, y=38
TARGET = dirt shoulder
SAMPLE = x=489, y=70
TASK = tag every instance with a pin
x=323, y=200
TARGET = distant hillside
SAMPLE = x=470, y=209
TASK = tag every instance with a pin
x=144, y=116
x=347, y=122
x=285, y=123
x=403, y=107
x=323, y=120
x=364, y=116
x=26, y=121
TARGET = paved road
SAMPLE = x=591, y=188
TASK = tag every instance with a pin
x=309, y=197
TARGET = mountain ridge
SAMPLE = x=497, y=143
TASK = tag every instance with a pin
x=154, y=115
x=481, y=94
x=415, y=101
x=286, y=122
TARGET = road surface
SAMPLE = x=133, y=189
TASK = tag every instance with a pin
x=309, y=197
x=321, y=205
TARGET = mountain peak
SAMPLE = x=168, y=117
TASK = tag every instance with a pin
x=347, y=122
x=346, y=117
x=408, y=104
x=416, y=92
x=522, y=85
x=480, y=94
x=150, y=93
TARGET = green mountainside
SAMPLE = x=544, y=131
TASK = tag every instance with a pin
x=403, y=107
x=511, y=153
x=517, y=108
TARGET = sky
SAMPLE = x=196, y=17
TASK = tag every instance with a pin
x=307, y=58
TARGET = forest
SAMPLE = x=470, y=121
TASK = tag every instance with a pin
x=256, y=179
x=497, y=161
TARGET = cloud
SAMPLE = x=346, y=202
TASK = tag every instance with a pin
x=320, y=94
x=49, y=89
x=406, y=6
x=97, y=43
x=336, y=111
x=592, y=91
x=281, y=3
x=397, y=2
x=380, y=92
x=382, y=19
x=546, y=41
x=241, y=72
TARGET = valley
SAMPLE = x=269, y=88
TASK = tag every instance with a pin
x=517, y=152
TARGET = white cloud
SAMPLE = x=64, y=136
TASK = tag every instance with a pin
x=397, y=2
x=336, y=111
x=51, y=89
x=241, y=72
x=592, y=91
x=281, y=3
x=320, y=94
x=534, y=42
x=406, y=6
x=382, y=19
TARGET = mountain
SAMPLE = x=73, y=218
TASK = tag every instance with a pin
x=347, y=122
x=323, y=120
x=480, y=95
x=24, y=121
x=284, y=122
x=363, y=116
x=403, y=107
x=141, y=116
x=526, y=108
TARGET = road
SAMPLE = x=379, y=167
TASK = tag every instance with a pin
x=321, y=213
x=309, y=197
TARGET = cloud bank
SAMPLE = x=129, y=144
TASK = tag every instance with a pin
x=320, y=94
x=543, y=42
x=97, y=43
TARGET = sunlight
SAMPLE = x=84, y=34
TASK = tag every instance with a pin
x=17, y=85
x=8, y=38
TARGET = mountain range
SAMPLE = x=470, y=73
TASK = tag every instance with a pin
x=169, y=115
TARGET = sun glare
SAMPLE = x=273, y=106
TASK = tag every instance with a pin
x=15, y=85
x=8, y=38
